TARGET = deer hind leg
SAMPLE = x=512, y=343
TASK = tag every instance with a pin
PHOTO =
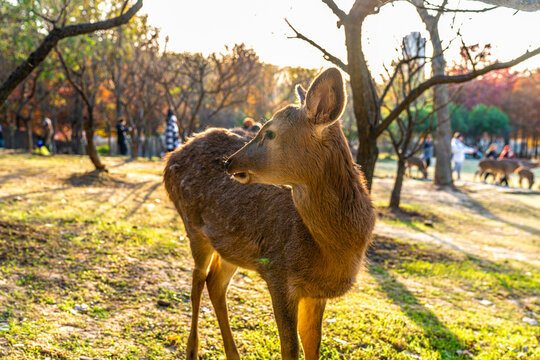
x=310, y=314
x=217, y=283
x=202, y=253
x=286, y=314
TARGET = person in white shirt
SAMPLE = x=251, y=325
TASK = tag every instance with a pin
x=459, y=149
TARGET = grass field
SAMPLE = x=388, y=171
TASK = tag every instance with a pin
x=98, y=267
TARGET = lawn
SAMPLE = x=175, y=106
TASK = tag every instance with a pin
x=98, y=266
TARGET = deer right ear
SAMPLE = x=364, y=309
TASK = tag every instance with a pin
x=325, y=98
x=301, y=94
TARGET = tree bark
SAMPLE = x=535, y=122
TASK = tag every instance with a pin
x=29, y=137
x=91, y=145
x=365, y=100
x=395, y=198
x=134, y=142
x=441, y=98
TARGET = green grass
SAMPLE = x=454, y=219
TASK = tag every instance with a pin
x=115, y=243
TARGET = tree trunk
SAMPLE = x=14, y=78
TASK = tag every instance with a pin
x=29, y=137
x=109, y=138
x=91, y=145
x=443, y=148
x=395, y=198
x=134, y=143
x=365, y=100
x=443, y=166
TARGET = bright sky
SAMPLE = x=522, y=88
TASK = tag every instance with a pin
x=208, y=25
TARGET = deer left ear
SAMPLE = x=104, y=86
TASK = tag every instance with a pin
x=325, y=98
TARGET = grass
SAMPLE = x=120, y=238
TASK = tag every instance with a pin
x=98, y=266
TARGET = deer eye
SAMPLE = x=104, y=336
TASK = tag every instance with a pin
x=269, y=134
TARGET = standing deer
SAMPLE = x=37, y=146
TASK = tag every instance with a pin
x=290, y=204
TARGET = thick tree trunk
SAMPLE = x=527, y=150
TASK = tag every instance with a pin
x=395, y=198
x=443, y=149
x=365, y=101
x=443, y=166
x=91, y=145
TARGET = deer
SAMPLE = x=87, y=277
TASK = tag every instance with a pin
x=290, y=204
x=501, y=168
x=525, y=173
x=419, y=163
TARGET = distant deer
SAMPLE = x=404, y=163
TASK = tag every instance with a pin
x=419, y=163
x=497, y=168
x=290, y=204
x=525, y=173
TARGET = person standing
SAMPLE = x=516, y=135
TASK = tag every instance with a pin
x=121, y=133
x=48, y=133
x=459, y=149
x=1, y=137
x=171, y=132
x=427, y=150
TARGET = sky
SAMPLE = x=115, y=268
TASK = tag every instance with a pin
x=208, y=25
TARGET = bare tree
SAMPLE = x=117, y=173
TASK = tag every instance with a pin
x=86, y=76
x=366, y=101
x=193, y=82
x=58, y=32
x=141, y=107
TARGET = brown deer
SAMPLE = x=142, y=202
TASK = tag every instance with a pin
x=291, y=206
x=525, y=173
x=501, y=168
x=419, y=163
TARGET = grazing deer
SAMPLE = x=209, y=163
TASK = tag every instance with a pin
x=419, y=163
x=501, y=168
x=525, y=173
x=290, y=204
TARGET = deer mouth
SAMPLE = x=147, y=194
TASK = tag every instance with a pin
x=242, y=177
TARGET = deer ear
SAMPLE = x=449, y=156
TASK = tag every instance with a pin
x=325, y=98
x=301, y=94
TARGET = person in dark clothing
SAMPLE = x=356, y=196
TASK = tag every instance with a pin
x=121, y=132
x=171, y=132
x=427, y=150
x=1, y=137
x=492, y=152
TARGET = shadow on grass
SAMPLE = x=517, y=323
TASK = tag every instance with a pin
x=20, y=195
x=143, y=201
x=386, y=253
x=439, y=337
x=97, y=178
x=480, y=209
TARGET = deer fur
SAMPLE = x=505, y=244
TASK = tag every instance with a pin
x=525, y=173
x=419, y=163
x=292, y=207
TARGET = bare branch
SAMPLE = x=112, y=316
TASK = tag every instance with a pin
x=50, y=41
x=442, y=8
x=326, y=55
x=446, y=79
x=335, y=9
x=523, y=5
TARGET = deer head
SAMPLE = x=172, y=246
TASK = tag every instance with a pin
x=289, y=146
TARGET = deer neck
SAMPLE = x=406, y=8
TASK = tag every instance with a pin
x=334, y=204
